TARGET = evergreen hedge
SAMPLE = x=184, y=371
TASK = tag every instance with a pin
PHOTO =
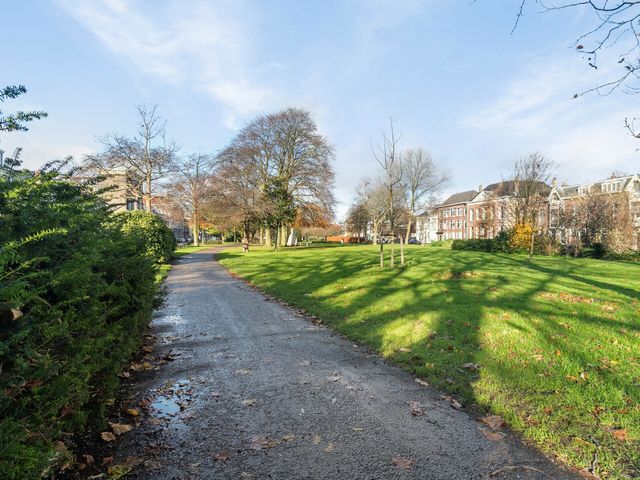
x=76, y=293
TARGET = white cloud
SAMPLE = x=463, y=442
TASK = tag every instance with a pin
x=536, y=112
x=196, y=45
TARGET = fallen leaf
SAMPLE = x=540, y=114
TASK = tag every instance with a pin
x=492, y=435
x=421, y=382
x=147, y=349
x=456, y=404
x=250, y=402
x=471, y=366
x=262, y=443
x=134, y=412
x=329, y=448
x=288, y=438
x=416, y=408
x=404, y=350
x=243, y=371
x=317, y=439
x=107, y=436
x=620, y=434
x=334, y=378
x=358, y=429
x=402, y=462
x=120, y=428
x=107, y=460
x=88, y=459
x=221, y=456
x=494, y=422
x=118, y=471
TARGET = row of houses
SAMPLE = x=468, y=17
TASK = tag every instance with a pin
x=466, y=215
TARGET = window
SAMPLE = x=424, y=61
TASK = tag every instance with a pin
x=458, y=224
x=131, y=205
x=471, y=214
x=445, y=213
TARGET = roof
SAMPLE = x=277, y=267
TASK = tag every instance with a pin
x=508, y=187
x=460, y=197
x=574, y=190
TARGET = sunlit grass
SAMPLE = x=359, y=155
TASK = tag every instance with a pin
x=557, y=340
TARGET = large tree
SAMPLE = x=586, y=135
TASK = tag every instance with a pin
x=423, y=181
x=147, y=157
x=282, y=165
x=190, y=187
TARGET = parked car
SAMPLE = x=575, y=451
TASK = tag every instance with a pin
x=414, y=241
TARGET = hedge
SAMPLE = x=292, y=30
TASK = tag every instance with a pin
x=76, y=293
x=159, y=241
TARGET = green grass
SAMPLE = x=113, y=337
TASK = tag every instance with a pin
x=557, y=339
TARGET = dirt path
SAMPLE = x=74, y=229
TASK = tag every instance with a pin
x=254, y=391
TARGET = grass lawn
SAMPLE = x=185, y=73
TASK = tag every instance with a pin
x=556, y=340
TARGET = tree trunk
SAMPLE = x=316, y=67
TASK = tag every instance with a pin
x=374, y=234
x=533, y=234
x=401, y=251
x=292, y=240
x=283, y=236
x=381, y=255
x=147, y=198
x=408, y=235
x=245, y=239
x=261, y=241
x=393, y=244
x=194, y=219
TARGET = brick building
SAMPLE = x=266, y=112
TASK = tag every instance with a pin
x=452, y=215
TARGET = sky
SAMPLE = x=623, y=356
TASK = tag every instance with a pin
x=451, y=74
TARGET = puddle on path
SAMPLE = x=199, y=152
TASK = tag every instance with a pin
x=171, y=398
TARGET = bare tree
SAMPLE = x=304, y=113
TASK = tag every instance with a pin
x=389, y=157
x=190, y=187
x=147, y=157
x=358, y=218
x=613, y=37
x=423, y=180
x=528, y=203
x=373, y=196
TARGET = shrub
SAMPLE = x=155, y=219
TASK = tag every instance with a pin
x=75, y=297
x=149, y=228
x=441, y=243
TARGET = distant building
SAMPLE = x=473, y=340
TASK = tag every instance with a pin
x=564, y=196
x=173, y=217
x=427, y=226
x=122, y=189
x=452, y=215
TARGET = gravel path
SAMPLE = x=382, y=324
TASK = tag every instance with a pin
x=252, y=390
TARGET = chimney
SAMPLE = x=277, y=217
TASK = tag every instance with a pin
x=480, y=188
x=1, y=157
x=554, y=182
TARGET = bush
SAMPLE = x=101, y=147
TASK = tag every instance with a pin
x=441, y=243
x=149, y=229
x=76, y=295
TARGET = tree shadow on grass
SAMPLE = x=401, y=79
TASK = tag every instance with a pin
x=491, y=329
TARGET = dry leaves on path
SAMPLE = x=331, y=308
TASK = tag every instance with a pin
x=260, y=442
x=402, y=462
x=329, y=448
x=419, y=381
x=492, y=435
x=243, y=371
x=107, y=436
x=334, y=378
x=120, y=428
x=417, y=409
x=250, y=402
x=221, y=456
x=494, y=422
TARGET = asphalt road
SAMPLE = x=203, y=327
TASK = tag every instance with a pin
x=250, y=389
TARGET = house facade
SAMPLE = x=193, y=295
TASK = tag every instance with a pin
x=427, y=225
x=564, y=197
x=123, y=191
x=452, y=216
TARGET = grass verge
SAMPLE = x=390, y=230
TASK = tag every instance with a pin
x=552, y=345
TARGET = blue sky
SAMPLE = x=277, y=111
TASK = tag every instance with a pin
x=450, y=73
